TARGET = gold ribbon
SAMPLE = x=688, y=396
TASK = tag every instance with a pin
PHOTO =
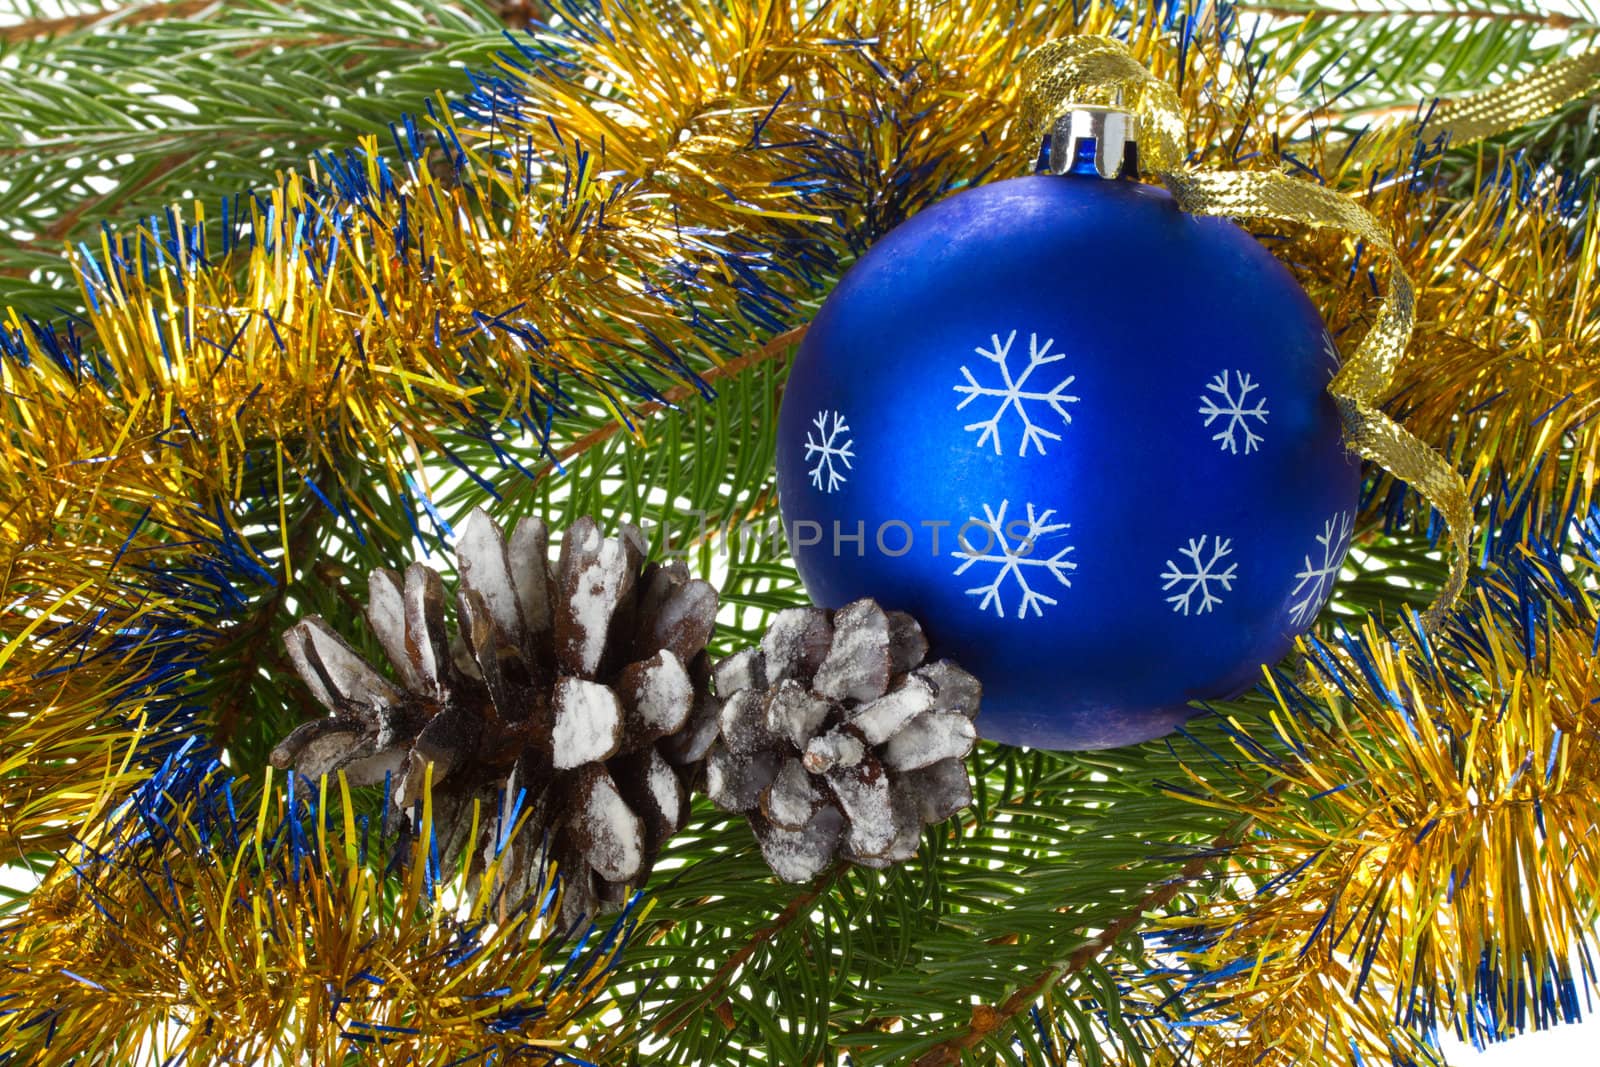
x=1101, y=70
x=1469, y=119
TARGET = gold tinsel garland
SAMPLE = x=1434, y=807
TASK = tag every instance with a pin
x=214, y=366
x=1426, y=850
x=271, y=936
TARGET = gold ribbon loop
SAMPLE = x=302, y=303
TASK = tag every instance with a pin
x=1091, y=69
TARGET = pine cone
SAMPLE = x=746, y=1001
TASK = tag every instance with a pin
x=575, y=697
x=836, y=740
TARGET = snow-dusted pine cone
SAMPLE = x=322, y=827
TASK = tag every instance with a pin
x=836, y=739
x=581, y=689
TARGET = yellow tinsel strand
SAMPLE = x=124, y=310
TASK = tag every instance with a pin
x=81, y=622
x=1508, y=328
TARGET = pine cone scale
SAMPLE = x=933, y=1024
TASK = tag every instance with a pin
x=326, y=746
x=794, y=646
x=862, y=792
x=339, y=678
x=594, y=577
x=386, y=614
x=607, y=832
x=858, y=663
x=528, y=555
x=928, y=740
x=794, y=713
x=886, y=716
x=427, y=643
x=658, y=695
x=588, y=724
x=481, y=559
x=735, y=781
x=792, y=799
x=685, y=620
x=800, y=855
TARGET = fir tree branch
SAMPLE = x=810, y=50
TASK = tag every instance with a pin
x=1357, y=62
x=53, y=236
x=178, y=99
x=988, y=1020
x=677, y=395
x=799, y=907
x=1551, y=20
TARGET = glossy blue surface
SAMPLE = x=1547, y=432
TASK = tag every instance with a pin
x=1142, y=307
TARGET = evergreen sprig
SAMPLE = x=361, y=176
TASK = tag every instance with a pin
x=102, y=113
x=1365, y=61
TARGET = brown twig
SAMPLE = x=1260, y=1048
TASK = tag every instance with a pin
x=52, y=236
x=989, y=1019
x=799, y=906
x=520, y=14
x=38, y=29
x=678, y=394
x=58, y=231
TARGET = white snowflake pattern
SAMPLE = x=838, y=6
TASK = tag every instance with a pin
x=1014, y=557
x=1316, y=579
x=1200, y=578
x=1226, y=405
x=1013, y=395
x=828, y=451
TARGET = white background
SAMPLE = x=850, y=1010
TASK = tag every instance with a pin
x=1566, y=1046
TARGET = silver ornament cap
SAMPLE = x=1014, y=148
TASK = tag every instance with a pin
x=1109, y=132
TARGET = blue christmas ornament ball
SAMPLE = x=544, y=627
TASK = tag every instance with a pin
x=1085, y=438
